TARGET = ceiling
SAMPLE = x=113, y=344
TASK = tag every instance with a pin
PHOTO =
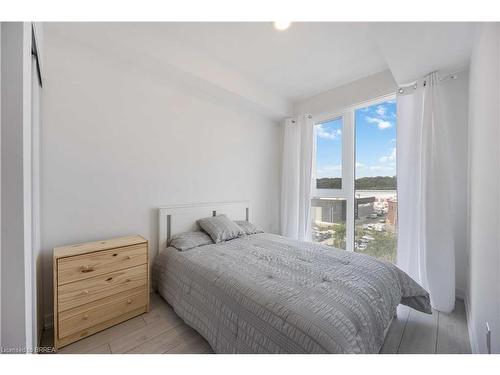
x=416, y=49
x=304, y=60
x=275, y=68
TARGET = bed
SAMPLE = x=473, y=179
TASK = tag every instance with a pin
x=264, y=293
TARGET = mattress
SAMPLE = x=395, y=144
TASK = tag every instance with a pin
x=265, y=293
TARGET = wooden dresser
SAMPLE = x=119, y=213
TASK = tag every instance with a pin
x=97, y=285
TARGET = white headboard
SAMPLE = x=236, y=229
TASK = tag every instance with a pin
x=182, y=217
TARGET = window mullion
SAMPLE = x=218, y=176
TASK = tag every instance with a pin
x=348, y=178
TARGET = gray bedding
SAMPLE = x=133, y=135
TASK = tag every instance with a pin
x=265, y=293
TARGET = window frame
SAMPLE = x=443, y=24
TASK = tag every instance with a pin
x=347, y=192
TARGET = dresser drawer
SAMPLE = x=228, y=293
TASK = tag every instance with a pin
x=99, y=327
x=84, y=317
x=86, y=266
x=88, y=290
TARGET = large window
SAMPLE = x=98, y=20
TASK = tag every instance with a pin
x=354, y=200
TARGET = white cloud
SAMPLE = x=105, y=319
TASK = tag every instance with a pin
x=381, y=110
x=323, y=133
x=380, y=168
x=382, y=124
x=332, y=168
x=360, y=165
x=329, y=171
x=389, y=158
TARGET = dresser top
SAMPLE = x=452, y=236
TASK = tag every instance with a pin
x=89, y=247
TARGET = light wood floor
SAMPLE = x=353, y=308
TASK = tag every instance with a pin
x=414, y=332
x=162, y=331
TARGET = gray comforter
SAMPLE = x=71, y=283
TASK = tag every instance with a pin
x=265, y=293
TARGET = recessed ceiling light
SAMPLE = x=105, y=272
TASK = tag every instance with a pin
x=282, y=25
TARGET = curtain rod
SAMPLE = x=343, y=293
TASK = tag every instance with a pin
x=447, y=77
x=307, y=115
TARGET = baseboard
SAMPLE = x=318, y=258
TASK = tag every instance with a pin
x=460, y=294
x=470, y=327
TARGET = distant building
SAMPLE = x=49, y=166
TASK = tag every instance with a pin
x=364, y=207
x=334, y=210
x=328, y=210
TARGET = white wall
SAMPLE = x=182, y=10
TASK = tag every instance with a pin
x=483, y=294
x=118, y=141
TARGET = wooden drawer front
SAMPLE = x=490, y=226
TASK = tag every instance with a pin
x=81, y=318
x=89, y=290
x=85, y=266
x=99, y=327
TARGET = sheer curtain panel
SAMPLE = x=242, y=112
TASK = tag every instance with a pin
x=425, y=240
x=297, y=177
x=290, y=177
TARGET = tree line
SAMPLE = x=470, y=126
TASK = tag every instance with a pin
x=363, y=183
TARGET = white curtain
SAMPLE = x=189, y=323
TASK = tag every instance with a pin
x=290, y=180
x=296, y=178
x=425, y=238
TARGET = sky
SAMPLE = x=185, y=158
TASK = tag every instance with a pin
x=375, y=132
